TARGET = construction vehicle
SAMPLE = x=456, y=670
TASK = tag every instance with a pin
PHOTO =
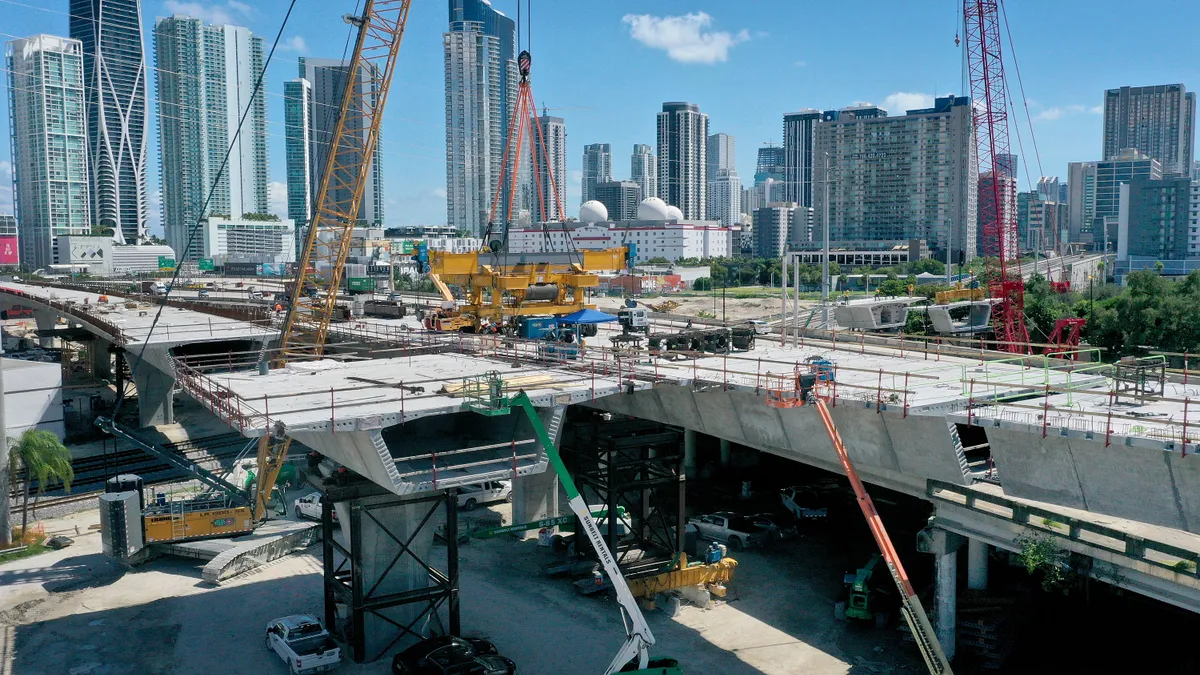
x=716, y=340
x=633, y=320
x=865, y=596
x=663, y=307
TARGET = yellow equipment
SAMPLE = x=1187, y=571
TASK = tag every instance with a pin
x=960, y=294
x=306, y=326
x=195, y=519
x=533, y=284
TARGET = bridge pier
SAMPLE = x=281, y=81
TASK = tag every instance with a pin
x=155, y=393
x=944, y=546
x=45, y=321
x=977, y=564
x=102, y=368
x=689, y=453
x=535, y=496
x=725, y=453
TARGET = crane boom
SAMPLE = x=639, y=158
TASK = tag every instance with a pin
x=911, y=608
x=343, y=181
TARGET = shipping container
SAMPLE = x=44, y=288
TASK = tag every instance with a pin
x=360, y=284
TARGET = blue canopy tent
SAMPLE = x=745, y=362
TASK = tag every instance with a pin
x=586, y=316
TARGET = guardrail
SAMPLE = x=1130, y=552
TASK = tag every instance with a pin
x=87, y=313
x=1157, y=554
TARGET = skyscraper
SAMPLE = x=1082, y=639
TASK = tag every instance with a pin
x=724, y=195
x=597, y=168
x=1159, y=121
x=481, y=86
x=620, y=197
x=721, y=152
x=553, y=196
x=1007, y=165
x=799, y=138
x=682, y=158
x=770, y=164
x=49, y=143
x=1048, y=189
x=910, y=176
x=205, y=80
x=643, y=170
x=115, y=86
x=1110, y=175
x=1081, y=200
x=326, y=86
x=297, y=102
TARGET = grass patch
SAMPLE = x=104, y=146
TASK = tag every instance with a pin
x=27, y=552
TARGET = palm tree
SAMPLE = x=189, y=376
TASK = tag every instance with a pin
x=43, y=457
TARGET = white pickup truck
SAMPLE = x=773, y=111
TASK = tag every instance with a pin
x=303, y=644
x=730, y=529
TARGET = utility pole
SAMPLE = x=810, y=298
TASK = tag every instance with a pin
x=825, y=262
x=5, y=476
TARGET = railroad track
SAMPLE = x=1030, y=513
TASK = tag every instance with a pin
x=92, y=472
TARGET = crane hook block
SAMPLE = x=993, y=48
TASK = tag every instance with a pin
x=524, y=62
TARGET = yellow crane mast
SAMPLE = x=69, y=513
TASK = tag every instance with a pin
x=344, y=178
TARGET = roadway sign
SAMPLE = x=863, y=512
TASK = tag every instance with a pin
x=166, y=262
x=205, y=265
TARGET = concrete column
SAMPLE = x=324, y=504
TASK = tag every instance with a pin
x=946, y=599
x=977, y=565
x=45, y=321
x=156, y=404
x=101, y=360
x=689, y=453
x=724, y=453
x=535, y=497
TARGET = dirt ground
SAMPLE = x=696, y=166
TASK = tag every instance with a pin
x=72, y=612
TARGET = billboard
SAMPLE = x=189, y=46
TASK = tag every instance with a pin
x=8, y=251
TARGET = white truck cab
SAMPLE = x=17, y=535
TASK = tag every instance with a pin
x=303, y=644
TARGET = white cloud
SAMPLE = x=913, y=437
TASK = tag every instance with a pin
x=440, y=193
x=800, y=64
x=293, y=44
x=684, y=38
x=1059, y=112
x=6, y=199
x=860, y=104
x=210, y=12
x=5, y=169
x=277, y=196
x=901, y=101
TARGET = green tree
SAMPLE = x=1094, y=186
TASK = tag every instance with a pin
x=657, y=261
x=702, y=284
x=1043, y=308
x=44, y=458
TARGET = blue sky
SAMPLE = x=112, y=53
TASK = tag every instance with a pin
x=608, y=66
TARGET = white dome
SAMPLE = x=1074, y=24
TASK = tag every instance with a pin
x=653, y=208
x=673, y=212
x=593, y=211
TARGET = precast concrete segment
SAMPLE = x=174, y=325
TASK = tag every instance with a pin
x=923, y=447
x=1150, y=485
x=155, y=392
x=357, y=451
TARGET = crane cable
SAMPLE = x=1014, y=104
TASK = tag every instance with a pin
x=191, y=238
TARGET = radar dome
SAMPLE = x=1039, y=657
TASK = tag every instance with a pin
x=653, y=208
x=593, y=211
x=674, y=213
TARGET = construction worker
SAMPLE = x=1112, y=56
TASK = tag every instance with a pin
x=278, y=308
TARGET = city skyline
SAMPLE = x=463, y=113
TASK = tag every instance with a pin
x=1067, y=116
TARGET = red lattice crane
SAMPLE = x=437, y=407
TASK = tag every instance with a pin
x=997, y=186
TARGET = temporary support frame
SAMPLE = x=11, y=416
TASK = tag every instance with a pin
x=635, y=465
x=346, y=584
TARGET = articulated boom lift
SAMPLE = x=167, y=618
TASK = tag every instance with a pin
x=306, y=326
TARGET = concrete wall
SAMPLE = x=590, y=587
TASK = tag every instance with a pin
x=887, y=448
x=1147, y=484
x=33, y=397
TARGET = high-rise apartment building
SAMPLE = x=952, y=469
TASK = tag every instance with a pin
x=682, y=158
x=312, y=103
x=643, y=170
x=553, y=195
x=205, y=79
x=724, y=196
x=1158, y=121
x=721, y=154
x=1155, y=219
x=297, y=138
x=899, y=178
x=1007, y=165
x=620, y=197
x=115, y=82
x=999, y=185
x=799, y=139
x=49, y=143
x=597, y=168
x=1110, y=175
x=481, y=87
x=1048, y=188
x=772, y=229
x=1081, y=200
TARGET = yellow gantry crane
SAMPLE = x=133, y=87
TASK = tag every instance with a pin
x=319, y=272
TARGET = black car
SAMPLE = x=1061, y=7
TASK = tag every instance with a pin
x=452, y=655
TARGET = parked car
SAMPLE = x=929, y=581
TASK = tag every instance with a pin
x=770, y=524
x=470, y=496
x=729, y=528
x=303, y=644
x=805, y=503
x=451, y=654
x=309, y=506
x=202, y=293
x=760, y=327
